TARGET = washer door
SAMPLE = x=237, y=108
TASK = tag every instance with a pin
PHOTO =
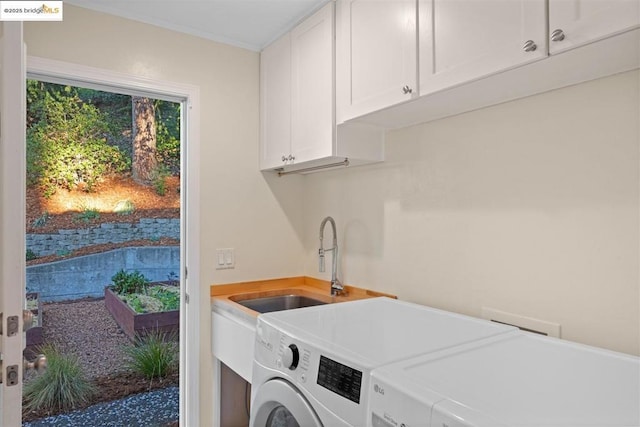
x=280, y=404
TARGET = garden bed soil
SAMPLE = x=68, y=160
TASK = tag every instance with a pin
x=135, y=324
x=62, y=209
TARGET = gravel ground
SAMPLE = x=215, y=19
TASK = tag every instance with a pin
x=155, y=408
x=85, y=328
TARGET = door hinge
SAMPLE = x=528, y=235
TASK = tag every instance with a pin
x=13, y=325
x=12, y=374
x=185, y=273
x=186, y=298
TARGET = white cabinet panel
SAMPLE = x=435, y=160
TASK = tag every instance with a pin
x=464, y=40
x=232, y=342
x=312, y=69
x=275, y=103
x=378, y=59
x=584, y=21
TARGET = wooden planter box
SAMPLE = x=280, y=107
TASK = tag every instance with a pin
x=140, y=324
x=34, y=335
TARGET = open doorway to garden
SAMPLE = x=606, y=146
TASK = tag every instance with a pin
x=103, y=209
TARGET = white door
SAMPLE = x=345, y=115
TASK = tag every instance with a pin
x=312, y=92
x=278, y=404
x=378, y=55
x=275, y=103
x=576, y=22
x=464, y=40
x=12, y=219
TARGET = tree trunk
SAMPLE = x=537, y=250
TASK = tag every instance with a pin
x=144, y=140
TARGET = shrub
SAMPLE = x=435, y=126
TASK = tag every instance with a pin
x=87, y=213
x=66, y=142
x=124, y=207
x=31, y=255
x=153, y=355
x=62, y=387
x=41, y=220
x=129, y=283
x=159, y=179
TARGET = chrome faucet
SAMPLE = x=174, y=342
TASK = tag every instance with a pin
x=336, y=285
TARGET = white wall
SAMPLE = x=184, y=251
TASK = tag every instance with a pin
x=529, y=207
x=240, y=208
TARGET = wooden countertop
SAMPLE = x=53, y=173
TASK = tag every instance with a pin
x=223, y=296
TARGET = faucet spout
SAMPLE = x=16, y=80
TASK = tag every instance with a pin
x=336, y=285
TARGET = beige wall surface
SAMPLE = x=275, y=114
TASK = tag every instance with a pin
x=260, y=216
x=529, y=207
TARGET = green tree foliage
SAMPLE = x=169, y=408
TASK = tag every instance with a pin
x=168, y=135
x=66, y=140
x=77, y=136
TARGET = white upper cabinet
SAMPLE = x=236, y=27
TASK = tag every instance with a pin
x=576, y=22
x=464, y=40
x=377, y=55
x=275, y=103
x=298, y=129
x=312, y=70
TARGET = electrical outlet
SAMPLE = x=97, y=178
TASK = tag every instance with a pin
x=225, y=259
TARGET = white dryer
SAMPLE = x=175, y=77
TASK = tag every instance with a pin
x=516, y=380
x=312, y=365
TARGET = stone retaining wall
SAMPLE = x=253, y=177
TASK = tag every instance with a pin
x=65, y=241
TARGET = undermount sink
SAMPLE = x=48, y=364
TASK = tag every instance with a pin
x=278, y=303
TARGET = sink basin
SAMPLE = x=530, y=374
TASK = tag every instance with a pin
x=278, y=303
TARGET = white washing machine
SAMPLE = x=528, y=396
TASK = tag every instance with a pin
x=312, y=365
x=516, y=380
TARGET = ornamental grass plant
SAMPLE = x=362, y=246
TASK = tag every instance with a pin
x=154, y=355
x=63, y=386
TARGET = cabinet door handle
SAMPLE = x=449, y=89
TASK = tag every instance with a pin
x=406, y=90
x=291, y=158
x=284, y=159
x=557, y=35
x=529, y=46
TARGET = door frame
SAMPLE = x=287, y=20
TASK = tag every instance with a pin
x=60, y=72
x=12, y=217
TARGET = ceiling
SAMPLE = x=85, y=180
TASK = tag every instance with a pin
x=250, y=24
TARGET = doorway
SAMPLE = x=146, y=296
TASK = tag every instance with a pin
x=103, y=208
x=188, y=96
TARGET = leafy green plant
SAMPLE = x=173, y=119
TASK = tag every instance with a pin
x=170, y=299
x=129, y=283
x=66, y=140
x=154, y=355
x=31, y=255
x=62, y=387
x=135, y=303
x=41, y=220
x=159, y=179
x=87, y=213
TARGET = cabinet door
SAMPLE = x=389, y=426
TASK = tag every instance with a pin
x=312, y=72
x=577, y=22
x=464, y=40
x=275, y=103
x=378, y=55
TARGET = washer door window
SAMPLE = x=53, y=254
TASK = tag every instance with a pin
x=280, y=404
